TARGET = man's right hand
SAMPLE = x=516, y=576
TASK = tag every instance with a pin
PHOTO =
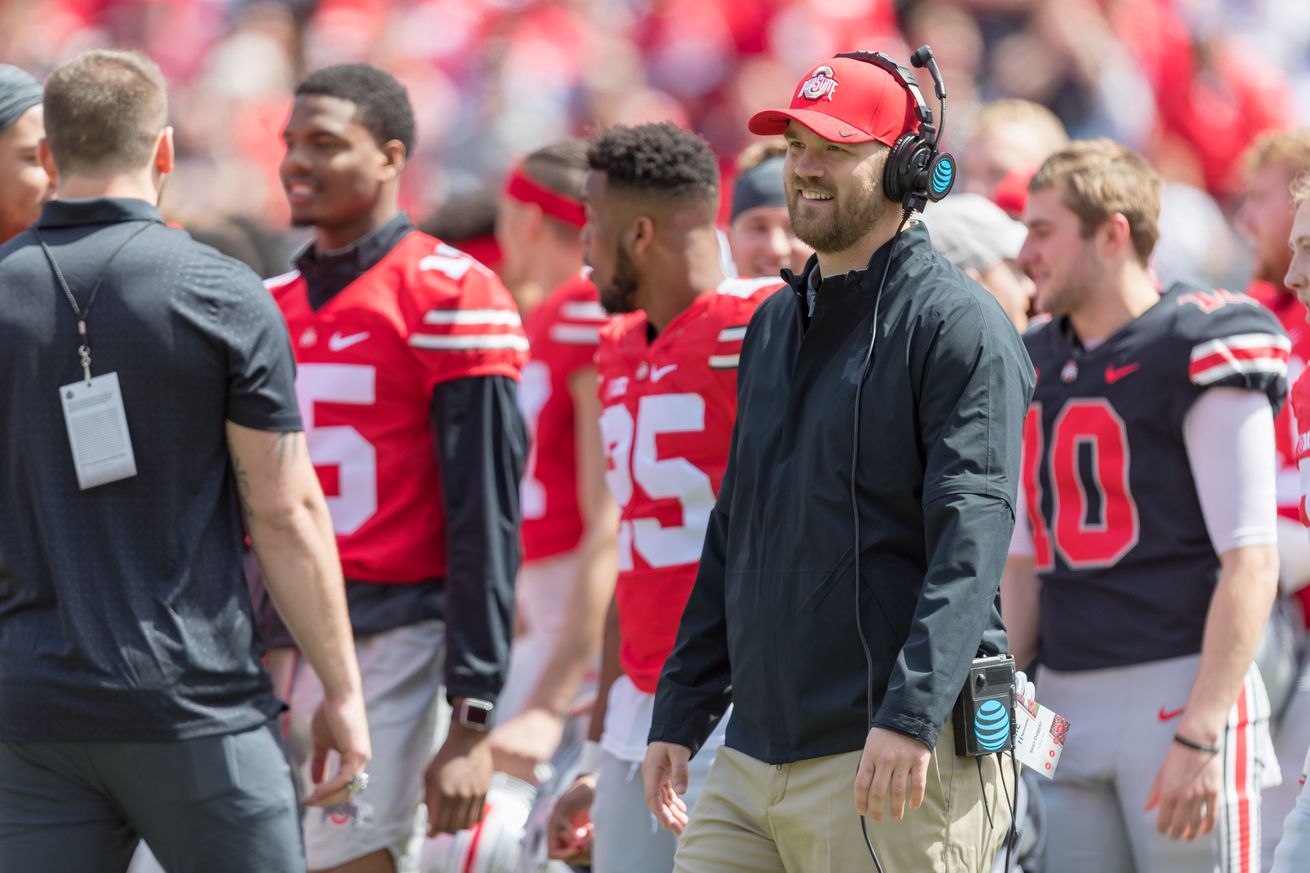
x=664, y=774
x=570, y=825
x=339, y=725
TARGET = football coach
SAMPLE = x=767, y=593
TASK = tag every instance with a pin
x=147, y=405
x=881, y=403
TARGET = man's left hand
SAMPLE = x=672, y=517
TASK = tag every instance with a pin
x=891, y=766
x=457, y=781
x=1186, y=790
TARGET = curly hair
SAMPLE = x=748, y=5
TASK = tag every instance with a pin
x=381, y=103
x=656, y=159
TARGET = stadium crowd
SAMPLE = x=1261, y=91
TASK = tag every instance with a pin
x=510, y=674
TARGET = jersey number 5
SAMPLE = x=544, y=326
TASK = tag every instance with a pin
x=631, y=447
x=1091, y=530
x=341, y=446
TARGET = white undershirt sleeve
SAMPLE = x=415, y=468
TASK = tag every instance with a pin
x=1229, y=434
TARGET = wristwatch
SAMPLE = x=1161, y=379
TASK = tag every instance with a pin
x=475, y=714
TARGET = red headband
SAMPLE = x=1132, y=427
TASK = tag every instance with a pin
x=527, y=190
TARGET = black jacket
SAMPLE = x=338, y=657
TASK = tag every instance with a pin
x=770, y=625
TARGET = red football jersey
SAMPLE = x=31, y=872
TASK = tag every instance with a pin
x=563, y=334
x=1301, y=423
x=668, y=411
x=1291, y=315
x=368, y=361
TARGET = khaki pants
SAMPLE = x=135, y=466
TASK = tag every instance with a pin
x=800, y=818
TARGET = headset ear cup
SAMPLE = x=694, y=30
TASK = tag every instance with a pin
x=940, y=175
x=906, y=176
x=896, y=176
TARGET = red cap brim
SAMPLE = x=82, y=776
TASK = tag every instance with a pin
x=772, y=122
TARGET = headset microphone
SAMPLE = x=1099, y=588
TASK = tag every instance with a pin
x=916, y=171
x=921, y=58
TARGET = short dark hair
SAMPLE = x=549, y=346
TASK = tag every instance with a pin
x=104, y=111
x=559, y=167
x=381, y=103
x=656, y=159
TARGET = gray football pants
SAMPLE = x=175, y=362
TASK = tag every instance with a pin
x=1121, y=723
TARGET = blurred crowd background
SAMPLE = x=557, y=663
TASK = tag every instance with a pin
x=1189, y=83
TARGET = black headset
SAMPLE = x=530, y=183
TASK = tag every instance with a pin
x=916, y=171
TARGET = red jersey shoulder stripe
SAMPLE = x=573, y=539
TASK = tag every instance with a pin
x=1240, y=354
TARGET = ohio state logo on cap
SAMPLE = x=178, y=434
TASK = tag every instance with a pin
x=821, y=83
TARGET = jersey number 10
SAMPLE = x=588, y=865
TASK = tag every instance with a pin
x=1084, y=543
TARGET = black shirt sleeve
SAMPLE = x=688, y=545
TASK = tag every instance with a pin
x=696, y=686
x=481, y=445
x=973, y=385
x=261, y=377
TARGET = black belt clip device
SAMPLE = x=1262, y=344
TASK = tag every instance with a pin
x=983, y=717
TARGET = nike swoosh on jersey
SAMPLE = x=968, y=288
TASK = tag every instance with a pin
x=1168, y=714
x=1114, y=374
x=337, y=342
x=658, y=373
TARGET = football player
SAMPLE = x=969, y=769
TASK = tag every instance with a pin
x=667, y=379
x=1293, y=852
x=1265, y=218
x=409, y=354
x=24, y=183
x=1148, y=481
x=569, y=519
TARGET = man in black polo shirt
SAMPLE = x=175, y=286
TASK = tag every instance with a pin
x=839, y=715
x=146, y=403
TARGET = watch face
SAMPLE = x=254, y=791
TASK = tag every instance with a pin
x=476, y=714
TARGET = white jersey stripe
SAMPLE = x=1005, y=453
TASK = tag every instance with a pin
x=283, y=279
x=1241, y=341
x=480, y=317
x=724, y=362
x=575, y=334
x=469, y=342
x=1243, y=367
x=728, y=334
x=581, y=310
x=745, y=287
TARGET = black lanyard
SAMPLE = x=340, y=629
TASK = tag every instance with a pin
x=84, y=342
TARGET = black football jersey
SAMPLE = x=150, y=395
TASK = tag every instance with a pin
x=1119, y=540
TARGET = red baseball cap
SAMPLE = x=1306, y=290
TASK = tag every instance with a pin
x=845, y=100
